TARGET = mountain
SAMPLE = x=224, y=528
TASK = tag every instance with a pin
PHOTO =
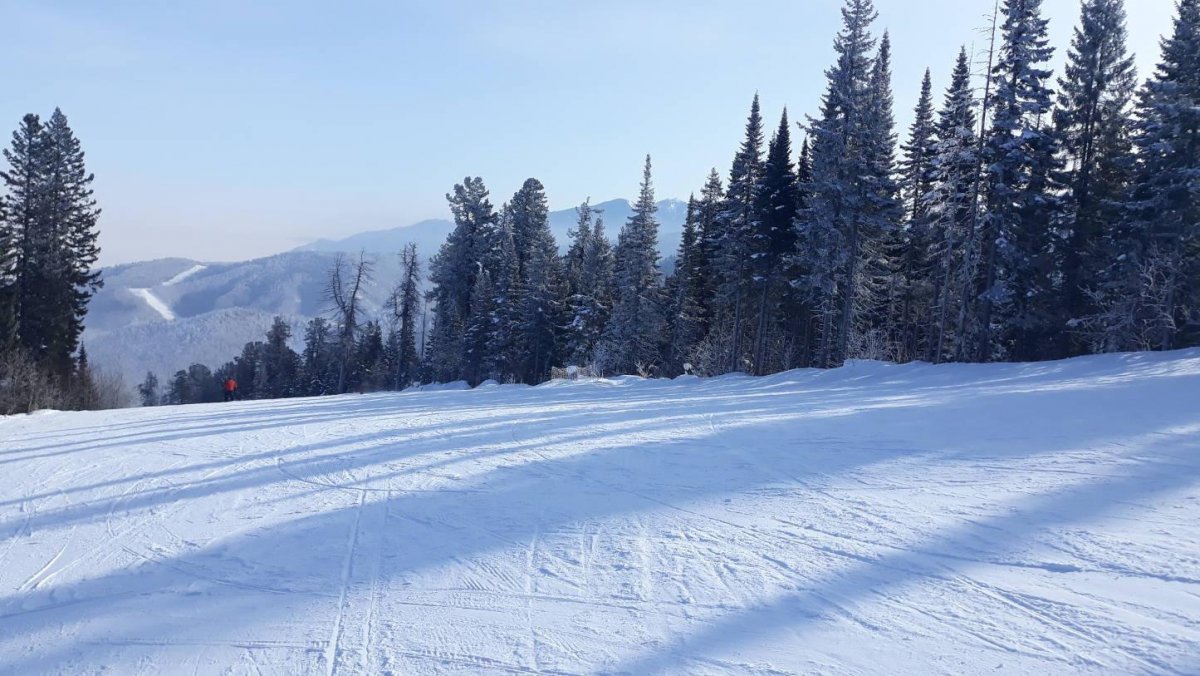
x=429, y=235
x=164, y=315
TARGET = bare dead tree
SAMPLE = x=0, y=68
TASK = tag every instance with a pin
x=343, y=292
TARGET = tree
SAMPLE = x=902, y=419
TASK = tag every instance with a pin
x=1150, y=297
x=589, y=270
x=916, y=167
x=632, y=341
x=735, y=245
x=10, y=257
x=1018, y=315
x=844, y=219
x=405, y=305
x=452, y=273
x=280, y=363
x=950, y=204
x=344, y=291
x=776, y=202
x=319, y=362
x=686, y=291
x=1093, y=120
x=539, y=284
x=148, y=390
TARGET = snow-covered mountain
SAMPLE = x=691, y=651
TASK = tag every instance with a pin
x=166, y=314
x=429, y=235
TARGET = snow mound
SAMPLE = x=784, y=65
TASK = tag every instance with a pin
x=999, y=518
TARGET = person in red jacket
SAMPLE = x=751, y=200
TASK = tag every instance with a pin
x=230, y=389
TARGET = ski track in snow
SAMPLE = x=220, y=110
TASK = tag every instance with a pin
x=155, y=303
x=1017, y=518
x=184, y=275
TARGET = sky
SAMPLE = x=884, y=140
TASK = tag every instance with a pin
x=231, y=129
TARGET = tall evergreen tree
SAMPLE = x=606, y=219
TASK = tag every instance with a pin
x=916, y=167
x=67, y=230
x=776, y=202
x=405, y=302
x=452, y=273
x=589, y=286
x=842, y=222
x=10, y=257
x=634, y=336
x=1093, y=119
x=540, y=284
x=1151, y=297
x=735, y=247
x=1018, y=316
x=686, y=290
x=950, y=203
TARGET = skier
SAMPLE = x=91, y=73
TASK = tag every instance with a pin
x=230, y=389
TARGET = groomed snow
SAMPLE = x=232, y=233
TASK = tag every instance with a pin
x=155, y=303
x=1029, y=518
x=184, y=275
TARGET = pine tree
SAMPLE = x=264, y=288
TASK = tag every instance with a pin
x=25, y=207
x=10, y=256
x=540, y=284
x=319, y=360
x=841, y=223
x=735, y=248
x=916, y=167
x=635, y=333
x=884, y=296
x=452, y=273
x=1151, y=297
x=68, y=223
x=148, y=390
x=1018, y=315
x=686, y=292
x=405, y=304
x=281, y=364
x=589, y=286
x=950, y=203
x=776, y=202
x=1093, y=119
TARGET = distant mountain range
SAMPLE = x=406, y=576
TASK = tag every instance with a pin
x=429, y=235
x=163, y=315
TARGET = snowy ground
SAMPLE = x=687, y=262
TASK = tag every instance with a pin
x=1036, y=518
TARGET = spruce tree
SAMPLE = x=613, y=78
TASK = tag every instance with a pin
x=405, y=302
x=735, y=247
x=1151, y=296
x=840, y=225
x=540, y=283
x=776, y=202
x=452, y=273
x=686, y=290
x=25, y=207
x=634, y=337
x=1094, y=122
x=1018, y=313
x=950, y=203
x=68, y=226
x=916, y=167
x=10, y=257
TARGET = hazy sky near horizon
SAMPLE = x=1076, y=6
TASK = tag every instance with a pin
x=229, y=129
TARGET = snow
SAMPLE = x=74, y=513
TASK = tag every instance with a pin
x=155, y=303
x=1020, y=518
x=184, y=275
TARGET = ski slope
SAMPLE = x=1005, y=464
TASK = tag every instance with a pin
x=1028, y=518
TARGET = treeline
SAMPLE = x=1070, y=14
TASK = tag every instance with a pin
x=1016, y=221
x=47, y=253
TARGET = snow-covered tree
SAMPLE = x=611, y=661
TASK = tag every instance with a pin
x=1094, y=121
x=589, y=270
x=634, y=337
x=1018, y=316
x=1150, y=297
x=950, y=204
x=452, y=273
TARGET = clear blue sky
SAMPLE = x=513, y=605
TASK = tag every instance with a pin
x=227, y=129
